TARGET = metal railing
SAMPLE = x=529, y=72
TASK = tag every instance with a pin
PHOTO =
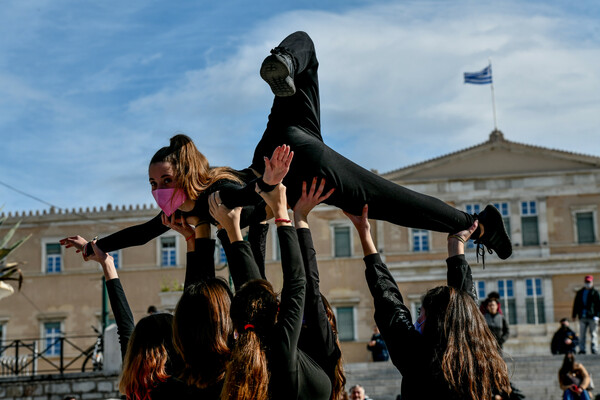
x=21, y=357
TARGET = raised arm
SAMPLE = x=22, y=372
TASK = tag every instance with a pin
x=318, y=334
x=391, y=314
x=242, y=264
x=116, y=296
x=459, y=272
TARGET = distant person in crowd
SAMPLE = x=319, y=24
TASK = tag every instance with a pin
x=496, y=322
x=357, y=392
x=565, y=339
x=152, y=310
x=490, y=296
x=70, y=398
x=586, y=307
x=574, y=379
x=377, y=346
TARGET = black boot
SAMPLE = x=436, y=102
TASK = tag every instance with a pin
x=494, y=234
x=277, y=70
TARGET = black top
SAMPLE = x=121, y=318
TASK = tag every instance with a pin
x=294, y=375
x=316, y=338
x=407, y=347
x=591, y=308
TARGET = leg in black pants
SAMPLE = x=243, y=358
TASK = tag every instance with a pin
x=295, y=120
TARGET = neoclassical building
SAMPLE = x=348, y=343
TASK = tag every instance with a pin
x=549, y=200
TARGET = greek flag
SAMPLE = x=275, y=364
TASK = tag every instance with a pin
x=480, y=78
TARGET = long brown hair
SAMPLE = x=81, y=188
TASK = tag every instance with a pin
x=192, y=172
x=253, y=312
x=568, y=366
x=337, y=386
x=465, y=353
x=202, y=330
x=149, y=358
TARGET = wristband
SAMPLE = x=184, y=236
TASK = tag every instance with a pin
x=265, y=187
x=457, y=237
x=189, y=237
x=288, y=221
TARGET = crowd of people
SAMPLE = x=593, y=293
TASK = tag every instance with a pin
x=249, y=342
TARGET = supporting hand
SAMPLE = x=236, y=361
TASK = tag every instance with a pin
x=361, y=223
x=277, y=200
x=277, y=167
x=310, y=199
x=106, y=261
x=228, y=218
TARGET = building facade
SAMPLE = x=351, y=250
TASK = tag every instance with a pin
x=549, y=200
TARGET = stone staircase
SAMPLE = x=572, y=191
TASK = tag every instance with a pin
x=535, y=376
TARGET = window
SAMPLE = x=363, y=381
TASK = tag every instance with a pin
x=534, y=301
x=345, y=322
x=472, y=209
x=420, y=240
x=529, y=223
x=117, y=257
x=52, y=335
x=505, y=212
x=53, y=258
x=168, y=251
x=480, y=287
x=585, y=227
x=342, y=245
x=507, y=300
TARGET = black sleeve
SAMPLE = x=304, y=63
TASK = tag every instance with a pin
x=393, y=318
x=133, y=236
x=257, y=236
x=289, y=319
x=200, y=263
x=234, y=195
x=505, y=329
x=459, y=275
x=318, y=327
x=121, y=311
x=240, y=260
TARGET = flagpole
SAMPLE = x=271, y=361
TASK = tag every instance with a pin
x=493, y=99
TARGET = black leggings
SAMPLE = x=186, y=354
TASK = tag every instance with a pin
x=295, y=121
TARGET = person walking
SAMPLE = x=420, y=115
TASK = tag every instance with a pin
x=586, y=307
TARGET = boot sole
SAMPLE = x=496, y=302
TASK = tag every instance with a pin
x=500, y=231
x=277, y=75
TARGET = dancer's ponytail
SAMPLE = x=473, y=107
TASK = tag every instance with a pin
x=192, y=171
x=247, y=375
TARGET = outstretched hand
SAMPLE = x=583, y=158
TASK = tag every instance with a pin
x=310, y=199
x=74, y=241
x=277, y=167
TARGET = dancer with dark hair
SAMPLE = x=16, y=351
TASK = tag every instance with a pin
x=266, y=361
x=449, y=353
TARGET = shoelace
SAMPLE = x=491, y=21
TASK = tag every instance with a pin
x=480, y=251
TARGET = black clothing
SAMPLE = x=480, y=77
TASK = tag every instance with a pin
x=558, y=345
x=592, y=306
x=379, y=350
x=294, y=374
x=295, y=121
x=138, y=235
x=200, y=263
x=407, y=347
x=316, y=338
x=121, y=311
x=498, y=326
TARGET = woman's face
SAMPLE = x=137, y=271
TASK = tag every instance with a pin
x=492, y=307
x=161, y=175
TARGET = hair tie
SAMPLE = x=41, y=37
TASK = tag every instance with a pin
x=248, y=326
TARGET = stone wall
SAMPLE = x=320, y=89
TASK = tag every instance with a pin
x=89, y=385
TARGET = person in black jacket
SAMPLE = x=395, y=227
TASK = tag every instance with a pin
x=586, y=307
x=448, y=353
x=266, y=361
x=496, y=321
x=377, y=346
x=565, y=339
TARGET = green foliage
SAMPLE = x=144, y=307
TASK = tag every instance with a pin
x=10, y=272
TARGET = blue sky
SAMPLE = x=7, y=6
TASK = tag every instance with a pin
x=90, y=90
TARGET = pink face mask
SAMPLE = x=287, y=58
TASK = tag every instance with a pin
x=169, y=200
